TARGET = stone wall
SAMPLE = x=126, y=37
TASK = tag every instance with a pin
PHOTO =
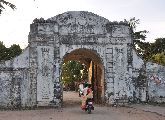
x=156, y=82
x=139, y=78
x=14, y=87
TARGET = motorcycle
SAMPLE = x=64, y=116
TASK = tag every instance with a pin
x=89, y=106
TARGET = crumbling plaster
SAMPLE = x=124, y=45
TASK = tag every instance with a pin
x=138, y=81
x=13, y=80
x=156, y=82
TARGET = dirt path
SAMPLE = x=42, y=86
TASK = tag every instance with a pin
x=71, y=99
x=72, y=111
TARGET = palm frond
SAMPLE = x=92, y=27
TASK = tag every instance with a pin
x=3, y=2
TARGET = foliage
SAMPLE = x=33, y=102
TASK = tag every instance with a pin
x=137, y=35
x=71, y=72
x=139, y=38
x=159, y=58
x=158, y=46
x=14, y=50
x=133, y=23
x=3, y=51
x=144, y=49
x=3, y=2
x=148, y=51
x=154, y=52
x=9, y=53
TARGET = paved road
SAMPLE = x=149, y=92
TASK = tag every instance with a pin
x=72, y=111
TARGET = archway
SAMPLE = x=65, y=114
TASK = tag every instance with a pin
x=105, y=47
x=93, y=63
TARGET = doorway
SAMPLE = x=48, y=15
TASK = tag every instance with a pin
x=93, y=70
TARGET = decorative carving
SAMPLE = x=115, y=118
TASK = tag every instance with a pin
x=81, y=22
x=74, y=39
x=45, y=62
x=129, y=54
x=119, y=57
x=33, y=76
x=120, y=31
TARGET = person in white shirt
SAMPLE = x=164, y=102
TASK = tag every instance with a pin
x=81, y=88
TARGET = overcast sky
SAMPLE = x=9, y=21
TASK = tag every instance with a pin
x=15, y=25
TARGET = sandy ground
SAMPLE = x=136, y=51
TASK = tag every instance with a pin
x=71, y=111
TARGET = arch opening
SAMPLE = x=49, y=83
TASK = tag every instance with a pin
x=91, y=71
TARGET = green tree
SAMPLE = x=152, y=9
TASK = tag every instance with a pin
x=3, y=2
x=3, y=51
x=158, y=46
x=159, y=58
x=14, y=51
x=73, y=71
x=149, y=51
x=9, y=53
x=139, y=37
x=157, y=50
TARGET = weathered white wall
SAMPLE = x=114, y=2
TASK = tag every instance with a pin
x=5, y=86
x=156, y=82
x=21, y=61
x=45, y=82
x=138, y=72
x=137, y=61
x=13, y=79
x=122, y=78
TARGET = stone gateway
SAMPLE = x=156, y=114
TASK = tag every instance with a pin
x=34, y=77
